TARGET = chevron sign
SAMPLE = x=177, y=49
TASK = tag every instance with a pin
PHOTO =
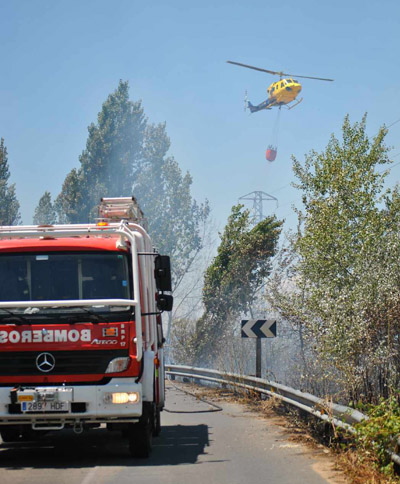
x=258, y=328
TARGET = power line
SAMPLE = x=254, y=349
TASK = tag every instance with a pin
x=390, y=125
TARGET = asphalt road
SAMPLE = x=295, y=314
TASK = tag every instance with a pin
x=196, y=446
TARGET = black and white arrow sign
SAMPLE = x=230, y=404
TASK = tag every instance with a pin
x=258, y=328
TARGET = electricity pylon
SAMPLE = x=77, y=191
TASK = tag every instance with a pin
x=258, y=197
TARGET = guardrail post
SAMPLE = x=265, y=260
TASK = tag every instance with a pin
x=258, y=357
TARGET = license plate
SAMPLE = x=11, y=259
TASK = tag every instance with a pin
x=45, y=406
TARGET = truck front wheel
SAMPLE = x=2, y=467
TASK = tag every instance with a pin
x=140, y=434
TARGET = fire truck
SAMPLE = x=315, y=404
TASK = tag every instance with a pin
x=81, y=340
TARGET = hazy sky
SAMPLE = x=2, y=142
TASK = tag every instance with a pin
x=60, y=59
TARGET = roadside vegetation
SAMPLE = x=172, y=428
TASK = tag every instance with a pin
x=341, y=283
x=338, y=284
x=334, y=285
x=232, y=284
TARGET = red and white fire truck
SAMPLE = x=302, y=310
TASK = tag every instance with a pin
x=81, y=340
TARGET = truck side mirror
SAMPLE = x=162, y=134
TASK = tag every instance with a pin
x=162, y=273
x=165, y=302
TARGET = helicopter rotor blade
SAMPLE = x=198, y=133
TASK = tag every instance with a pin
x=255, y=68
x=308, y=77
x=276, y=73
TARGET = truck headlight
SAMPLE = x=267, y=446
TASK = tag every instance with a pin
x=122, y=397
x=117, y=365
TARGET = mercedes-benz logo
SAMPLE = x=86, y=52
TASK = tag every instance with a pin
x=45, y=362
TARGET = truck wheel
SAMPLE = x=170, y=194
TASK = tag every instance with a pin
x=140, y=434
x=157, y=422
x=10, y=433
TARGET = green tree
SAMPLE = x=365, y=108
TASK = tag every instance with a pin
x=9, y=205
x=237, y=273
x=110, y=161
x=45, y=213
x=175, y=220
x=345, y=289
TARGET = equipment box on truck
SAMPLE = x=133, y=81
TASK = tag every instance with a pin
x=81, y=340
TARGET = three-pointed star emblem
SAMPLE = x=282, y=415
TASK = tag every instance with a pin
x=45, y=362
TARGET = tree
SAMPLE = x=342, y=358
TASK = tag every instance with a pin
x=45, y=213
x=110, y=161
x=237, y=273
x=176, y=222
x=9, y=206
x=345, y=286
x=68, y=204
x=242, y=263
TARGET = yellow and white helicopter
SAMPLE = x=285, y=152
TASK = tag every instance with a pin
x=280, y=93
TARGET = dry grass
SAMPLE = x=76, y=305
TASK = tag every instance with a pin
x=362, y=469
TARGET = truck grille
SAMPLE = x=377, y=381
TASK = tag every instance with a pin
x=23, y=363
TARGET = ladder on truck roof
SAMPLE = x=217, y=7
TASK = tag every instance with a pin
x=116, y=213
x=121, y=208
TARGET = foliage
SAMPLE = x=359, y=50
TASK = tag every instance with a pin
x=235, y=275
x=45, y=213
x=110, y=161
x=242, y=263
x=184, y=342
x=69, y=202
x=175, y=220
x=342, y=282
x=9, y=205
x=379, y=433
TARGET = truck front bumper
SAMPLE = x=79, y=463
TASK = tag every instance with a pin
x=85, y=404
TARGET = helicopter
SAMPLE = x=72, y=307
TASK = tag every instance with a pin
x=280, y=93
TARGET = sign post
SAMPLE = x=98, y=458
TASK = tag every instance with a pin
x=258, y=328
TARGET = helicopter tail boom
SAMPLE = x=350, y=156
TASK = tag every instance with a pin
x=259, y=107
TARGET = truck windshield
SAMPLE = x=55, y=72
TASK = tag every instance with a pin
x=64, y=276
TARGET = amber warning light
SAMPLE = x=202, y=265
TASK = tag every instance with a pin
x=112, y=332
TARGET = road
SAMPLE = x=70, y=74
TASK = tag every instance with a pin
x=197, y=445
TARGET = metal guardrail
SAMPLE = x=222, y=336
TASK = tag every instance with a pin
x=339, y=415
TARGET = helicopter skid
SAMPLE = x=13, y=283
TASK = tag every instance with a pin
x=294, y=105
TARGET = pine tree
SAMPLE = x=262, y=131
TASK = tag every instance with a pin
x=45, y=213
x=109, y=162
x=163, y=191
x=9, y=205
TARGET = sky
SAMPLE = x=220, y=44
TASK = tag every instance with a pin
x=60, y=59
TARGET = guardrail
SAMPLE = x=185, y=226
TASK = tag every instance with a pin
x=339, y=415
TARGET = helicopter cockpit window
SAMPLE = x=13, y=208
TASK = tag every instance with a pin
x=281, y=84
x=294, y=80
